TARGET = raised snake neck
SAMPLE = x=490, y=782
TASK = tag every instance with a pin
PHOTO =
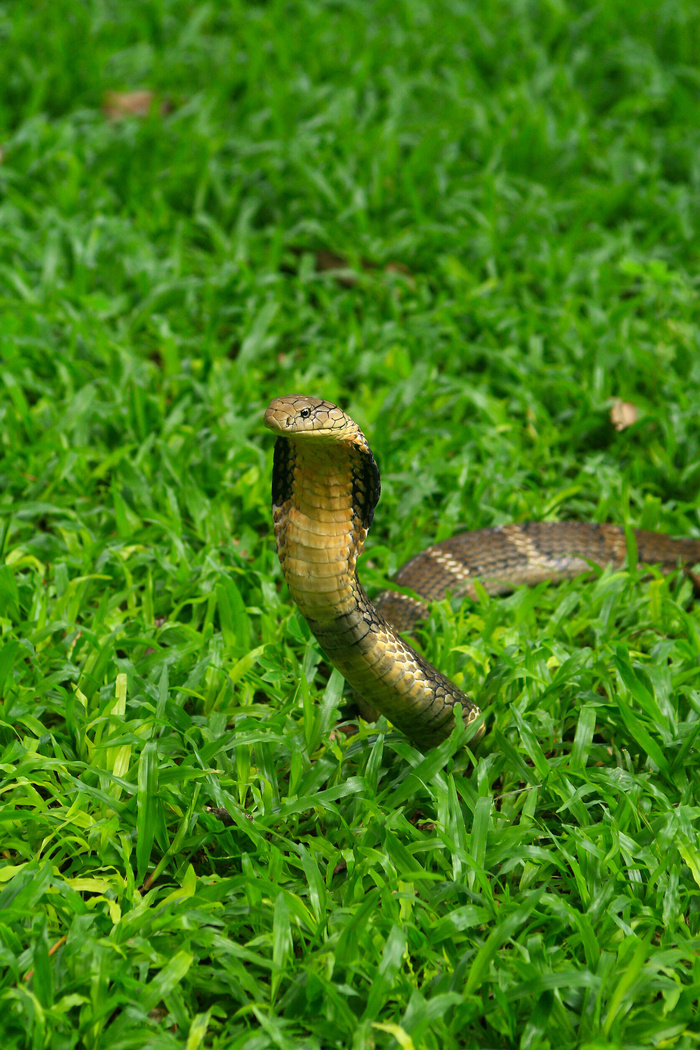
x=325, y=487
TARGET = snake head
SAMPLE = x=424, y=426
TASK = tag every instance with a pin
x=301, y=423
x=296, y=416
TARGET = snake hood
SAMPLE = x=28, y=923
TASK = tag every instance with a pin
x=312, y=425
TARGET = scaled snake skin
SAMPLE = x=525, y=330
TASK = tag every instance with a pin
x=325, y=487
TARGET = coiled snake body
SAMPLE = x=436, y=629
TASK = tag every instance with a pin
x=325, y=487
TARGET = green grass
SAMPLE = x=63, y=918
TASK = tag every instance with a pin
x=515, y=190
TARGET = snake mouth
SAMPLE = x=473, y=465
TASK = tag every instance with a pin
x=273, y=421
x=279, y=422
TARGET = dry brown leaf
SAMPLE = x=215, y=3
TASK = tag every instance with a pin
x=398, y=267
x=329, y=261
x=118, y=105
x=342, y=270
x=403, y=271
x=623, y=414
x=343, y=731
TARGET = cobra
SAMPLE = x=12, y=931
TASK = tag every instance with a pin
x=325, y=487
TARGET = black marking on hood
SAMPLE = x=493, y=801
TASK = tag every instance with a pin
x=282, y=471
x=366, y=485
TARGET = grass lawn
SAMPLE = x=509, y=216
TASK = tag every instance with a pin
x=474, y=226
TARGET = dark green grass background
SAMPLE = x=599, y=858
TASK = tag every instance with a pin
x=512, y=193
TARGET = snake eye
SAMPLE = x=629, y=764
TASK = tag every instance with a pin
x=305, y=413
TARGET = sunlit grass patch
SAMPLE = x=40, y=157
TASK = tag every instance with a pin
x=475, y=227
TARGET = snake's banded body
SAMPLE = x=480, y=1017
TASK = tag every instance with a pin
x=325, y=487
